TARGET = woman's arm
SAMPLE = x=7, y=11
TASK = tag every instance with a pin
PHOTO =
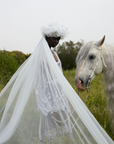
x=55, y=57
x=57, y=60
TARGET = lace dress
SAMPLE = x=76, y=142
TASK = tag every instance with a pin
x=47, y=97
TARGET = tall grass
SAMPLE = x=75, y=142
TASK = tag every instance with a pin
x=96, y=101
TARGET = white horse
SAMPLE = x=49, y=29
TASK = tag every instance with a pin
x=95, y=58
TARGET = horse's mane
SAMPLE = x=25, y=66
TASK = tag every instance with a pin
x=83, y=52
x=108, y=55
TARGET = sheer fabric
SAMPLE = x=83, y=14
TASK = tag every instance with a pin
x=41, y=106
x=44, y=96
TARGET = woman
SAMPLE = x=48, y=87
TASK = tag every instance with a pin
x=47, y=101
x=36, y=101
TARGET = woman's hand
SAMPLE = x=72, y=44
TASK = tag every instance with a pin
x=55, y=57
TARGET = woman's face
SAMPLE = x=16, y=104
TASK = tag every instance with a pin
x=52, y=41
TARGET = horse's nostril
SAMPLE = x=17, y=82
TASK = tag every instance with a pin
x=81, y=81
x=80, y=84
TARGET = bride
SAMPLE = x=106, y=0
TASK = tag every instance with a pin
x=41, y=106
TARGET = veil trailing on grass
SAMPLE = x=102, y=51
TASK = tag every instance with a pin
x=41, y=106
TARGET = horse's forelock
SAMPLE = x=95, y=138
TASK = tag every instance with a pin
x=83, y=52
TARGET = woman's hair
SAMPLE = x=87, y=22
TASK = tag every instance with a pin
x=54, y=30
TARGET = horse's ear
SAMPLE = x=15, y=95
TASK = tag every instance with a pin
x=82, y=41
x=100, y=42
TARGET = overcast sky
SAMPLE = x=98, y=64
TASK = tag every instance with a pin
x=21, y=20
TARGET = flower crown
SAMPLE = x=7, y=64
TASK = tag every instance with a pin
x=54, y=30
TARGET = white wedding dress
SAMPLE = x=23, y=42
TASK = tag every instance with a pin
x=40, y=105
x=44, y=96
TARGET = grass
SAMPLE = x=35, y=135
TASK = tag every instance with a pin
x=1, y=87
x=96, y=102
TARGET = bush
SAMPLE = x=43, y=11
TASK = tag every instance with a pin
x=67, y=53
x=19, y=56
x=8, y=65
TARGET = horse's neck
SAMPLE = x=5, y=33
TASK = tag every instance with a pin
x=108, y=72
x=108, y=55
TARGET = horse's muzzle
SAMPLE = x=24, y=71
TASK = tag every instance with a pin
x=80, y=84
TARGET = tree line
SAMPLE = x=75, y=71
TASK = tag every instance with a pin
x=10, y=61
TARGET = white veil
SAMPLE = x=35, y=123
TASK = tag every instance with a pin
x=23, y=123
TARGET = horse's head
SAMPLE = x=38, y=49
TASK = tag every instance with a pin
x=89, y=63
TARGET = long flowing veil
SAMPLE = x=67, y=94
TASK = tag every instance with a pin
x=40, y=106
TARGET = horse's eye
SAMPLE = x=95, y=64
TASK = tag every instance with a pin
x=92, y=56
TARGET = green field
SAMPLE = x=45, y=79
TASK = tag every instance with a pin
x=96, y=101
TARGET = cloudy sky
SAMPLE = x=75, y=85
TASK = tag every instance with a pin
x=21, y=20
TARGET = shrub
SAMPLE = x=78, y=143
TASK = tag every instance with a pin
x=8, y=65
